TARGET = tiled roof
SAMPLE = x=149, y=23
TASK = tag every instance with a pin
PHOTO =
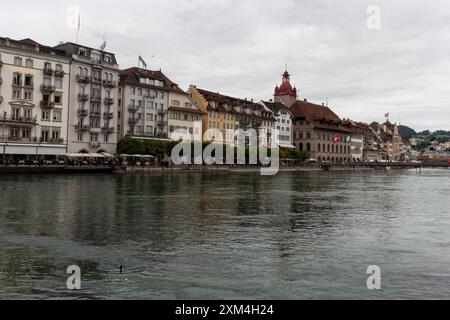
x=275, y=107
x=320, y=117
x=131, y=76
x=187, y=110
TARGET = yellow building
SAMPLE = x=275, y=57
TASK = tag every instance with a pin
x=228, y=113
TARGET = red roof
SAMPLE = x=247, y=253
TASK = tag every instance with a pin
x=132, y=75
x=320, y=117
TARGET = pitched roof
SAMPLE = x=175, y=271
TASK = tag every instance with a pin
x=275, y=107
x=131, y=76
x=187, y=110
x=320, y=117
x=312, y=112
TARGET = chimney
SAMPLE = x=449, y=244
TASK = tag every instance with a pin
x=306, y=100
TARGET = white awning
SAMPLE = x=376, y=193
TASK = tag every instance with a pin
x=107, y=155
x=96, y=155
x=287, y=146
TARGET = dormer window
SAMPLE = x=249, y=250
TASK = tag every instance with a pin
x=82, y=52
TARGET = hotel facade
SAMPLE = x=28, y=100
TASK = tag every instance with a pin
x=92, y=120
x=34, y=100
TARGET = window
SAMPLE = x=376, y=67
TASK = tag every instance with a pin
x=58, y=99
x=27, y=113
x=48, y=66
x=58, y=83
x=57, y=116
x=133, y=90
x=80, y=136
x=28, y=95
x=55, y=135
x=45, y=116
x=29, y=63
x=59, y=67
x=18, y=61
x=17, y=79
x=47, y=81
x=17, y=94
x=28, y=80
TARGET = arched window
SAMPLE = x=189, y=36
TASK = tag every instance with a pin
x=341, y=150
x=332, y=149
x=308, y=146
x=300, y=146
x=328, y=148
x=318, y=147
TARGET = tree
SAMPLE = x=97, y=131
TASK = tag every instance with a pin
x=130, y=146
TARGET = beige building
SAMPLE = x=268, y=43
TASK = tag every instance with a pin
x=34, y=99
x=321, y=132
x=387, y=140
x=183, y=114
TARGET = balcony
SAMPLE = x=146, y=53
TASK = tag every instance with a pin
x=94, y=114
x=96, y=99
x=82, y=128
x=149, y=97
x=161, y=123
x=94, y=144
x=48, y=71
x=133, y=109
x=108, y=130
x=21, y=120
x=52, y=141
x=47, y=104
x=108, y=115
x=1, y=99
x=108, y=101
x=83, y=97
x=1, y=63
x=109, y=83
x=59, y=73
x=47, y=88
x=82, y=113
x=83, y=78
x=133, y=121
x=96, y=80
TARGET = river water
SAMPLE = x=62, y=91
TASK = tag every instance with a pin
x=297, y=235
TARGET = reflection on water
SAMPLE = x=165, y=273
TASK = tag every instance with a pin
x=302, y=235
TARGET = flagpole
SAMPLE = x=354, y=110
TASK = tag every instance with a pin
x=78, y=27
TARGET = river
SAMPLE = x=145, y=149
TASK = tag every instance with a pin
x=297, y=235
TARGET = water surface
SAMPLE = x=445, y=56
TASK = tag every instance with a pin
x=298, y=235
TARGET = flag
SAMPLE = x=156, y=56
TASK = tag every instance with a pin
x=348, y=139
x=336, y=139
x=143, y=62
x=79, y=21
x=103, y=46
x=386, y=115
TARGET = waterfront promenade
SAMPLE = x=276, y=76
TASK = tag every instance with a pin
x=109, y=168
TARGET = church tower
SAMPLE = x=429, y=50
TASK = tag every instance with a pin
x=285, y=93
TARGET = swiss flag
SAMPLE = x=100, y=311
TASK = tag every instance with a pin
x=336, y=139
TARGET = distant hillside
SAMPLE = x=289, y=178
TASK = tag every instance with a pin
x=407, y=132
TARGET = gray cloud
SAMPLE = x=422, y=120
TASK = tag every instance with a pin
x=239, y=48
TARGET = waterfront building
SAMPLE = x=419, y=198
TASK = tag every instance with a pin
x=183, y=114
x=357, y=142
x=387, y=140
x=144, y=103
x=94, y=75
x=283, y=117
x=34, y=100
x=321, y=132
x=229, y=113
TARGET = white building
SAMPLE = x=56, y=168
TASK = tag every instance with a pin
x=94, y=80
x=283, y=122
x=34, y=100
x=144, y=101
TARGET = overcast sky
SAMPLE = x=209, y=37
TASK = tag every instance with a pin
x=239, y=48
